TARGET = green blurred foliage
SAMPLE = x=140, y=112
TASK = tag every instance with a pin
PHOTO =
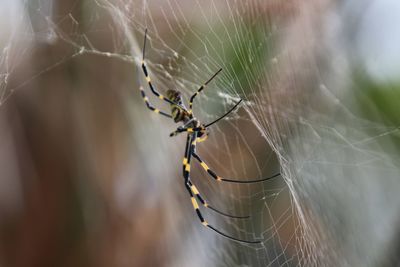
x=383, y=103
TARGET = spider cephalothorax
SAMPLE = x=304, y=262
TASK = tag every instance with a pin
x=196, y=132
x=202, y=134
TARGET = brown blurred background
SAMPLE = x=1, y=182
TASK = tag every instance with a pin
x=89, y=176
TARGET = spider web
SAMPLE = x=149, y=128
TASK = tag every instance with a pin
x=328, y=208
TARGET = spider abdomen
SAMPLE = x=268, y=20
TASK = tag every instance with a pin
x=179, y=114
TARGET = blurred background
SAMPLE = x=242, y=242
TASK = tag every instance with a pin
x=90, y=177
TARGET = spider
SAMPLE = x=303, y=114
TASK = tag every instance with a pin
x=196, y=132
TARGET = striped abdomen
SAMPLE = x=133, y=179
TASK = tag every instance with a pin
x=178, y=114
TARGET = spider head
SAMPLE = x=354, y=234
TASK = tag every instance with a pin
x=175, y=96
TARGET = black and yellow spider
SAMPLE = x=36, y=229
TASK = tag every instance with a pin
x=196, y=132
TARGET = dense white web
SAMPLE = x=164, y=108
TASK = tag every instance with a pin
x=288, y=64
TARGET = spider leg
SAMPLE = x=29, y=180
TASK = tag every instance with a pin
x=190, y=142
x=181, y=130
x=226, y=114
x=150, y=106
x=199, y=90
x=196, y=192
x=220, y=179
x=146, y=73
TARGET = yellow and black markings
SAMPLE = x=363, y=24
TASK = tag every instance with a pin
x=196, y=133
